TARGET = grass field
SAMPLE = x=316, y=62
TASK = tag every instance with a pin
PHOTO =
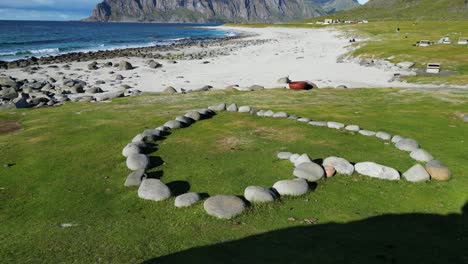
x=68, y=168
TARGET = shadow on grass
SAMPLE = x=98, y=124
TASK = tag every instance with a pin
x=405, y=238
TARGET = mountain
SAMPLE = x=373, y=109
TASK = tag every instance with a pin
x=200, y=11
x=332, y=6
x=409, y=10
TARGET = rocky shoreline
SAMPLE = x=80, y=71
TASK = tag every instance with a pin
x=161, y=52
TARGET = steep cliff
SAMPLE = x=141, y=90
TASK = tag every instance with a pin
x=331, y=6
x=206, y=10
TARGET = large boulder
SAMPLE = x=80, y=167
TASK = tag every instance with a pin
x=194, y=115
x=186, y=200
x=367, y=133
x=257, y=194
x=309, y=171
x=8, y=82
x=135, y=178
x=137, y=162
x=353, y=128
x=341, y=165
x=244, y=109
x=154, y=64
x=417, y=173
x=421, y=155
x=280, y=115
x=396, y=138
x=154, y=190
x=375, y=170
x=438, y=171
x=170, y=90
x=296, y=187
x=224, y=206
x=407, y=144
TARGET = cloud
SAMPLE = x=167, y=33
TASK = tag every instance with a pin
x=46, y=9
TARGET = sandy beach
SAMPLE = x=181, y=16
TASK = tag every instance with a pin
x=301, y=54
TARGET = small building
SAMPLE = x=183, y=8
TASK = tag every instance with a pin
x=433, y=68
x=423, y=43
x=463, y=41
x=328, y=21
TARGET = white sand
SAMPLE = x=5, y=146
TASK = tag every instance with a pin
x=260, y=64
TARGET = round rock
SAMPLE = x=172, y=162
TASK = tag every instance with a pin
x=335, y=125
x=280, y=115
x=383, y=135
x=438, y=171
x=194, y=115
x=302, y=159
x=137, y=162
x=417, y=173
x=407, y=144
x=294, y=187
x=341, y=165
x=244, y=109
x=353, y=128
x=421, y=155
x=257, y=194
x=186, y=200
x=232, y=108
x=224, y=206
x=309, y=171
x=130, y=149
x=367, y=133
x=173, y=124
x=284, y=155
x=154, y=190
x=135, y=178
x=318, y=123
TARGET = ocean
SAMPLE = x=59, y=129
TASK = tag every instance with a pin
x=21, y=39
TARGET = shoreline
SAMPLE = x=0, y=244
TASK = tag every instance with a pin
x=257, y=57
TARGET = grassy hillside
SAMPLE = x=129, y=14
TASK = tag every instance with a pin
x=408, y=10
x=68, y=168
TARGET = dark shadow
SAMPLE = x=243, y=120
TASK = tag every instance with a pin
x=204, y=196
x=178, y=187
x=150, y=148
x=318, y=161
x=312, y=186
x=155, y=175
x=247, y=203
x=155, y=162
x=406, y=238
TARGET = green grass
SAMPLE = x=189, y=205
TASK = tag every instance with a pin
x=69, y=169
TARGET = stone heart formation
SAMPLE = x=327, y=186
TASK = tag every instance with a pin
x=306, y=171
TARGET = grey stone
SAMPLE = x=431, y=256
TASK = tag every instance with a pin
x=185, y=120
x=294, y=157
x=367, y=133
x=173, y=124
x=137, y=162
x=125, y=65
x=280, y=115
x=153, y=64
x=8, y=81
x=256, y=88
x=296, y=187
x=405, y=65
x=303, y=120
x=375, y=170
x=284, y=155
x=138, y=138
x=130, y=149
x=224, y=206
x=302, y=159
x=107, y=96
x=194, y=115
x=186, y=200
x=21, y=102
x=318, y=123
x=309, y=171
x=421, y=155
x=383, y=135
x=93, y=66
x=268, y=113
x=154, y=190
x=407, y=144
x=354, y=128
x=217, y=108
x=397, y=138
x=135, y=178
x=257, y=194
x=170, y=90
x=244, y=109
x=341, y=165
x=232, y=108
x=293, y=117
x=261, y=113
x=335, y=125
x=417, y=173
x=342, y=87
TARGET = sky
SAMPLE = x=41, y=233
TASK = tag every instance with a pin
x=50, y=9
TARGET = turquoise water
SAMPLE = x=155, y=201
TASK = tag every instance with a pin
x=21, y=39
